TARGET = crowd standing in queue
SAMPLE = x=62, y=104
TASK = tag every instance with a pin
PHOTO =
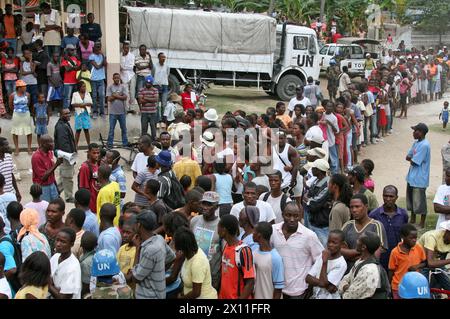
x=210, y=218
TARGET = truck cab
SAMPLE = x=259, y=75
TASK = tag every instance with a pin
x=296, y=58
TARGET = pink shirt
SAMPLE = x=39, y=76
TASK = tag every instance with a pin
x=299, y=253
x=86, y=52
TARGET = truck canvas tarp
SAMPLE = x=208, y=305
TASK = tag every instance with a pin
x=201, y=40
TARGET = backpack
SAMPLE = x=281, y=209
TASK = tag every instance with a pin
x=238, y=258
x=14, y=282
x=385, y=290
x=175, y=196
x=282, y=202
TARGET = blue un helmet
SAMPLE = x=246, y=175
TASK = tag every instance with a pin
x=105, y=264
x=332, y=62
x=149, y=79
x=414, y=285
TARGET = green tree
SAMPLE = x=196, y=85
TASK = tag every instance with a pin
x=434, y=18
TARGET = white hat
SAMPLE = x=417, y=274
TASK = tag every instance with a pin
x=368, y=55
x=445, y=225
x=317, y=152
x=321, y=164
x=317, y=138
x=211, y=115
x=208, y=139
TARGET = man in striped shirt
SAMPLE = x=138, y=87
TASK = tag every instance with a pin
x=6, y=169
x=148, y=99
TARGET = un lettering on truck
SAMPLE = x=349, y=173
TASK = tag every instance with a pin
x=206, y=40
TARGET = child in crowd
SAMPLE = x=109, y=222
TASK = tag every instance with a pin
x=444, y=116
x=84, y=75
x=10, y=68
x=55, y=82
x=37, y=203
x=127, y=252
x=407, y=256
x=41, y=117
x=327, y=272
x=88, y=245
x=186, y=182
x=169, y=111
x=5, y=289
x=368, y=166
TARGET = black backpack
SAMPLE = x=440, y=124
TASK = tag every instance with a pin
x=14, y=281
x=282, y=202
x=384, y=291
x=174, y=198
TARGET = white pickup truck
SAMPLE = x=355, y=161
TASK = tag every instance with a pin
x=351, y=53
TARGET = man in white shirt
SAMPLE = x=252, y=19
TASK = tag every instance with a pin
x=127, y=72
x=442, y=200
x=298, y=99
x=266, y=213
x=388, y=58
x=332, y=129
x=276, y=198
x=344, y=80
x=161, y=75
x=65, y=268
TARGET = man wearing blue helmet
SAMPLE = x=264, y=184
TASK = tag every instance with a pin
x=148, y=99
x=414, y=285
x=104, y=267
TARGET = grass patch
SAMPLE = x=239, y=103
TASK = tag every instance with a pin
x=430, y=223
x=437, y=128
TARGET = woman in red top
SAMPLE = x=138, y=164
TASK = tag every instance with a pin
x=186, y=97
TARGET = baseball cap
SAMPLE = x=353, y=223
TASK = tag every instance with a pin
x=421, y=127
x=164, y=158
x=317, y=152
x=149, y=79
x=210, y=197
x=321, y=164
x=445, y=225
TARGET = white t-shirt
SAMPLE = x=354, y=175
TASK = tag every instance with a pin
x=330, y=133
x=41, y=208
x=294, y=101
x=275, y=203
x=5, y=199
x=5, y=289
x=442, y=197
x=266, y=213
x=262, y=181
x=336, y=269
x=67, y=275
x=140, y=161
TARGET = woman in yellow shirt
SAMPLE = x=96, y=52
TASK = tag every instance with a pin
x=195, y=272
x=35, y=275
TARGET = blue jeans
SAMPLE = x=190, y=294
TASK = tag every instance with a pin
x=163, y=91
x=306, y=217
x=33, y=91
x=322, y=234
x=98, y=91
x=334, y=159
x=49, y=192
x=140, y=83
x=113, y=119
x=12, y=43
x=349, y=150
x=68, y=90
x=50, y=49
x=10, y=87
x=373, y=127
x=146, y=119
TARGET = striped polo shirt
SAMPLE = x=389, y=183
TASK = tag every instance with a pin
x=6, y=169
x=151, y=98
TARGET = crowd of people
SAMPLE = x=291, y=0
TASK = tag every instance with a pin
x=267, y=206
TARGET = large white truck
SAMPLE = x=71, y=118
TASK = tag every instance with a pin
x=227, y=48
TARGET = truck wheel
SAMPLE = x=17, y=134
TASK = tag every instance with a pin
x=287, y=85
x=174, y=84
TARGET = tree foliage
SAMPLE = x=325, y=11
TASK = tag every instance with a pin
x=434, y=15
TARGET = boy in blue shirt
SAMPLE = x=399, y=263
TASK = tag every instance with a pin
x=418, y=177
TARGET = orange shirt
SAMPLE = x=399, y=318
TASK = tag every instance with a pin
x=399, y=262
x=230, y=272
x=10, y=31
x=433, y=70
x=286, y=119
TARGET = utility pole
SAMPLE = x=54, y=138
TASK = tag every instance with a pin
x=322, y=10
x=271, y=7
